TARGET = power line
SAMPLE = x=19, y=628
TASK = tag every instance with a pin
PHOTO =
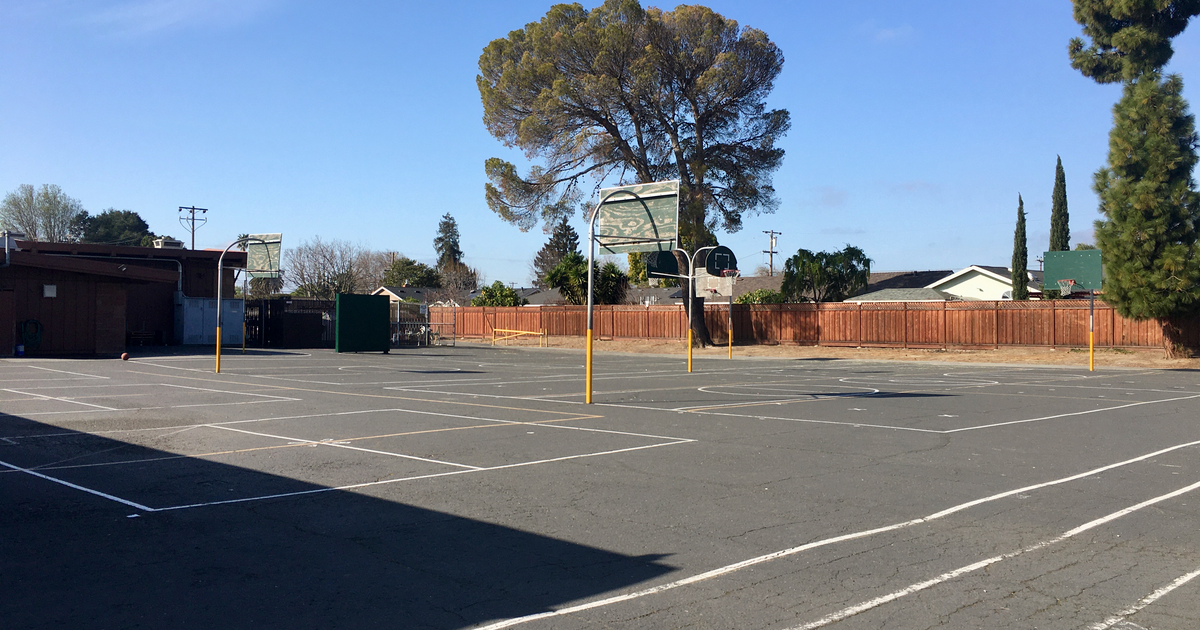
x=771, y=250
x=191, y=219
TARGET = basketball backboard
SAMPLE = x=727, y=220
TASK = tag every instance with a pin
x=662, y=265
x=262, y=255
x=638, y=218
x=1085, y=267
x=709, y=286
x=720, y=260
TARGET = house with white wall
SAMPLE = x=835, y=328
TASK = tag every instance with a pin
x=981, y=282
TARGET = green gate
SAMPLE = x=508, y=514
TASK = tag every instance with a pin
x=363, y=323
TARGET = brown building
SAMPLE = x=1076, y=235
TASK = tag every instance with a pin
x=77, y=299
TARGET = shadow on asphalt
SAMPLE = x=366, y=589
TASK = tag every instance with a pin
x=334, y=559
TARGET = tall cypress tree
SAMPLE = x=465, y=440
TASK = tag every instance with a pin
x=1060, y=222
x=564, y=240
x=1060, y=219
x=1020, y=259
x=1148, y=233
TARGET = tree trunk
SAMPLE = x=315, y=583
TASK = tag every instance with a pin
x=1173, y=340
x=699, y=328
x=700, y=336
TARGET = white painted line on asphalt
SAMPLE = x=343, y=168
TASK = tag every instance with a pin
x=936, y=431
x=1074, y=413
x=345, y=446
x=1144, y=602
x=66, y=400
x=856, y=425
x=970, y=568
x=71, y=373
x=77, y=487
x=414, y=478
x=224, y=391
x=725, y=570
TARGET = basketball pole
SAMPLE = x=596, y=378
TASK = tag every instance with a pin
x=1091, y=330
x=220, y=278
x=591, y=265
x=729, y=324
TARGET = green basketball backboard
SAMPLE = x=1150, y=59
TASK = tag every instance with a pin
x=1084, y=267
x=262, y=255
x=638, y=218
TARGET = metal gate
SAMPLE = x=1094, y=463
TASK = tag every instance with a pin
x=290, y=323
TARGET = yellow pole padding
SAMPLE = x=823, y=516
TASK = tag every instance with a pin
x=689, y=350
x=588, y=386
x=218, y=349
x=1091, y=351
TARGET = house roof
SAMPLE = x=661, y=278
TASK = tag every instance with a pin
x=881, y=280
x=920, y=294
x=403, y=293
x=233, y=258
x=744, y=285
x=1000, y=274
x=93, y=266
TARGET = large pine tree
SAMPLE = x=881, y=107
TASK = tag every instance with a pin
x=449, y=253
x=1020, y=258
x=564, y=240
x=1148, y=234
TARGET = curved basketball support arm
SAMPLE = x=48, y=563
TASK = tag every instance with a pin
x=592, y=216
x=220, y=278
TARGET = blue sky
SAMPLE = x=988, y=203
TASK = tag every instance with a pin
x=915, y=124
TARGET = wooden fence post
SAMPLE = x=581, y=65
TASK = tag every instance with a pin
x=945, y=342
x=1053, y=324
x=859, y=334
x=905, y=324
x=996, y=316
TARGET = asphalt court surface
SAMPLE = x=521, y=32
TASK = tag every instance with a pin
x=470, y=487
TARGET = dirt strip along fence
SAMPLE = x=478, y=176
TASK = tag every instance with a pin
x=1053, y=323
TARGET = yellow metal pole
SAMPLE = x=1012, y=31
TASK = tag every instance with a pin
x=1091, y=330
x=218, y=349
x=689, y=349
x=729, y=324
x=588, y=387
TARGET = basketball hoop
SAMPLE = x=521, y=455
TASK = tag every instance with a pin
x=729, y=273
x=1066, y=287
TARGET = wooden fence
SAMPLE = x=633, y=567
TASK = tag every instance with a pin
x=1054, y=323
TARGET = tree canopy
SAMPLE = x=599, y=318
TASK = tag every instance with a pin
x=761, y=296
x=449, y=252
x=825, y=276
x=113, y=227
x=564, y=240
x=42, y=214
x=1060, y=218
x=570, y=278
x=406, y=272
x=1019, y=270
x=633, y=95
x=1147, y=196
x=1128, y=38
x=498, y=294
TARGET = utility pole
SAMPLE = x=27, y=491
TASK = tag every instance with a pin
x=189, y=222
x=770, y=252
